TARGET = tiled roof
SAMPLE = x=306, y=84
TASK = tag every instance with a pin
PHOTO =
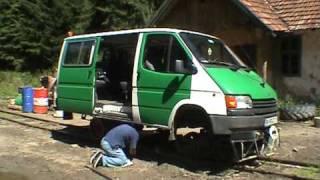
x=264, y=12
x=298, y=14
x=286, y=15
x=277, y=15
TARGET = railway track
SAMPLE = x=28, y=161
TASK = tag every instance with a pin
x=274, y=167
x=267, y=166
x=81, y=134
x=284, y=170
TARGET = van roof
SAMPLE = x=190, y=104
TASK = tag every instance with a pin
x=110, y=33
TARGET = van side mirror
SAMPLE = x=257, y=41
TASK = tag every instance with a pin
x=185, y=68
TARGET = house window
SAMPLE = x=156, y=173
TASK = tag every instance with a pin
x=291, y=55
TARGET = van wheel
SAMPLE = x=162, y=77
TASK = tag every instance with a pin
x=97, y=129
x=194, y=143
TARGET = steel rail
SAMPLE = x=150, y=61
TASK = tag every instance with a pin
x=278, y=162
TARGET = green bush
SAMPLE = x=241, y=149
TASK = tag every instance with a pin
x=286, y=101
x=10, y=81
x=318, y=111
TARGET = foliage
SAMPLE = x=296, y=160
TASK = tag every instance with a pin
x=84, y=12
x=292, y=100
x=31, y=31
x=318, y=111
x=309, y=172
x=288, y=100
x=124, y=14
x=10, y=81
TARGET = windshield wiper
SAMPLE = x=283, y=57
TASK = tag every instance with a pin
x=232, y=66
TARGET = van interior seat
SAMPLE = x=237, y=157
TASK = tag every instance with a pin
x=125, y=76
x=154, y=59
x=103, y=82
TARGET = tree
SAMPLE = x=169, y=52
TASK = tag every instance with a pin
x=124, y=14
x=8, y=24
x=83, y=11
x=32, y=31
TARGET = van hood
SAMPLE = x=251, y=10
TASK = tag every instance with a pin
x=241, y=82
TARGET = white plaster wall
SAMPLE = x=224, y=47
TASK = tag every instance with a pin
x=309, y=82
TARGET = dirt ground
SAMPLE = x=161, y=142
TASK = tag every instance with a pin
x=27, y=153
x=299, y=142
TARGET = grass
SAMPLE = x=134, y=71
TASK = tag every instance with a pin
x=310, y=172
x=10, y=81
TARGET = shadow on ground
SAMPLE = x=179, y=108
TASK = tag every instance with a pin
x=191, y=156
x=81, y=135
x=74, y=135
x=154, y=147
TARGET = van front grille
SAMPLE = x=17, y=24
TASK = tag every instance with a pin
x=265, y=106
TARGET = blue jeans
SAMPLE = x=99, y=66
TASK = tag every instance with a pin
x=113, y=157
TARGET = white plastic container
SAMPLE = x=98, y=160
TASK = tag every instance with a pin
x=58, y=114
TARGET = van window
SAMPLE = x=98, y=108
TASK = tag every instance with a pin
x=209, y=50
x=79, y=53
x=161, y=52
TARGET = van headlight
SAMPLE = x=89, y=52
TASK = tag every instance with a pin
x=238, y=102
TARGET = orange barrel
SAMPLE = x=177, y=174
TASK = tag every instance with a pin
x=40, y=100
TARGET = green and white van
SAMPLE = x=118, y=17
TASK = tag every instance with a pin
x=165, y=78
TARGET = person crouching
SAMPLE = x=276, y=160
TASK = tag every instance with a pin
x=114, y=144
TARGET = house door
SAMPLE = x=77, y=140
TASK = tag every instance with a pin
x=76, y=77
x=159, y=86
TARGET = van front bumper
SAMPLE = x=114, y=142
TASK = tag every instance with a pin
x=225, y=125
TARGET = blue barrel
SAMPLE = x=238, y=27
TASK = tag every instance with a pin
x=27, y=99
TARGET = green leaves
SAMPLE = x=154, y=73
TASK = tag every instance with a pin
x=26, y=34
x=124, y=14
x=32, y=31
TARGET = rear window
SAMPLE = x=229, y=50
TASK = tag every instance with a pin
x=79, y=53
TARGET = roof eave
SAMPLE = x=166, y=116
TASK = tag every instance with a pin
x=252, y=15
x=163, y=10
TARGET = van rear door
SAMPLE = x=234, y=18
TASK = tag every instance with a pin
x=76, y=77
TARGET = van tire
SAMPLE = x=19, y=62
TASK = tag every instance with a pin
x=300, y=112
x=191, y=141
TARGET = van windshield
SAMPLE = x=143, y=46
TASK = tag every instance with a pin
x=211, y=51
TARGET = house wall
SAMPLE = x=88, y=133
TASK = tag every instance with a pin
x=228, y=22
x=216, y=17
x=224, y=20
x=308, y=84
